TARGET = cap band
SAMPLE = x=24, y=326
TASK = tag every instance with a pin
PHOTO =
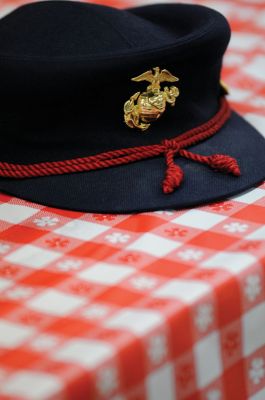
x=168, y=147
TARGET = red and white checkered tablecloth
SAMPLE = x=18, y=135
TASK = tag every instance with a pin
x=168, y=305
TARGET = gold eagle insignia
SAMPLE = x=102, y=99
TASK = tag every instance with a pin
x=144, y=108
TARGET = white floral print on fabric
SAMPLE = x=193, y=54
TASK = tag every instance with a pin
x=117, y=237
x=4, y=247
x=19, y=292
x=46, y=221
x=204, y=317
x=96, y=311
x=164, y=212
x=235, y=227
x=107, y=380
x=252, y=287
x=143, y=282
x=68, y=265
x=257, y=370
x=157, y=348
x=190, y=254
x=44, y=342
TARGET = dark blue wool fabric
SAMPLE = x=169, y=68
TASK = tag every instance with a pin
x=65, y=73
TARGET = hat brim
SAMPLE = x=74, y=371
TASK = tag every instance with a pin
x=136, y=187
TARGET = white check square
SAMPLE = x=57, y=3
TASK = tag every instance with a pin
x=106, y=274
x=5, y=283
x=87, y=353
x=260, y=395
x=257, y=120
x=137, y=321
x=81, y=230
x=208, y=359
x=155, y=245
x=4, y=10
x=259, y=234
x=238, y=94
x=199, y=219
x=32, y=385
x=13, y=334
x=256, y=68
x=251, y=196
x=55, y=302
x=253, y=325
x=244, y=41
x=187, y=291
x=160, y=384
x=32, y=256
x=15, y=213
x=234, y=262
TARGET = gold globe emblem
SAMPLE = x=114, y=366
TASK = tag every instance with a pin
x=144, y=108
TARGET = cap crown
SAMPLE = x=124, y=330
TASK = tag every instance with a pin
x=67, y=66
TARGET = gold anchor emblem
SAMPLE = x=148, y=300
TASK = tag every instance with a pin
x=144, y=108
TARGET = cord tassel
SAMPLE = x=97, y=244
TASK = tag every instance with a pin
x=224, y=163
x=220, y=162
x=174, y=174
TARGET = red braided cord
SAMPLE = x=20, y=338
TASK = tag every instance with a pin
x=174, y=174
x=124, y=156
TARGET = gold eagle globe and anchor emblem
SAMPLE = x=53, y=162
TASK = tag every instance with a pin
x=144, y=108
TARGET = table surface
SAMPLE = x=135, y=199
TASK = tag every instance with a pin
x=163, y=305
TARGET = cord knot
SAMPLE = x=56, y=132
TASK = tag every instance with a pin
x=170, y=144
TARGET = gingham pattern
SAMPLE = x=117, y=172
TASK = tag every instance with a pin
x=165, y=305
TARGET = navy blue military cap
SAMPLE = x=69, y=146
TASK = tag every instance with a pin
x=120, y=111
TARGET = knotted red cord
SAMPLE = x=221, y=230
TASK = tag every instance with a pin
x=169, y=147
